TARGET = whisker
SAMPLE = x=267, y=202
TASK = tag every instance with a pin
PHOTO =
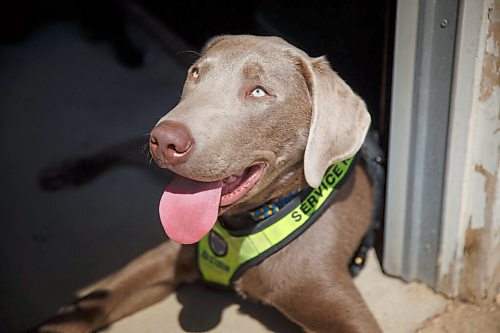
x=187, y=51
x=145, y=148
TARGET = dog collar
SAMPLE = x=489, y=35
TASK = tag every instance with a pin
x=271, y=207
x=223, y=255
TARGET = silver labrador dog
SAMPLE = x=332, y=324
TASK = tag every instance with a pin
x=259, y=123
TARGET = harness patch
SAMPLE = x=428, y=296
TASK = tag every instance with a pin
x=217, y=244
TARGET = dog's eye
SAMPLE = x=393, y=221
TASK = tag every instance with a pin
x=195, y=72
x=258, y=92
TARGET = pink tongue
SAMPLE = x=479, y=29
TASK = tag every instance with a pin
x=188, y=209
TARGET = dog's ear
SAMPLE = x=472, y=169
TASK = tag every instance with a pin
x=339, y=121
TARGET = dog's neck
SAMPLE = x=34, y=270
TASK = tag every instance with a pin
x=290, y=180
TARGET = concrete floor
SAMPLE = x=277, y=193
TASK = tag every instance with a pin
x=399, y=308
x=63, y=97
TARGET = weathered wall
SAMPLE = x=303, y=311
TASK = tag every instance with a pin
x=470, y=256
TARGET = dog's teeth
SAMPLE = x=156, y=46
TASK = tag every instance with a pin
x=234, y=177
x=231, y=179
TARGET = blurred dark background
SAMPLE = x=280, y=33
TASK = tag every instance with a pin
x=82, y=83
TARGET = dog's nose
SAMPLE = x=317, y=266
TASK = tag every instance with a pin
x=170, y=142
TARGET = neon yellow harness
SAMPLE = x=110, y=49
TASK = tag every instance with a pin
x=223, y=255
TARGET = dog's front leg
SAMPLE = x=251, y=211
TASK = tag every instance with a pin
x=319, y=301
x=142, y=282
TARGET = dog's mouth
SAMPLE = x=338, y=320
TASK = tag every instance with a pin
x=189, y=208
x=237, y=185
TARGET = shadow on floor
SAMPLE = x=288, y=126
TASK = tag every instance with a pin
x=202, y=310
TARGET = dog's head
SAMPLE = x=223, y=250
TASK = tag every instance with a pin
x=255, y=111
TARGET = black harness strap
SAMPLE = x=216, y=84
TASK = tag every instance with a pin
x=373, y=157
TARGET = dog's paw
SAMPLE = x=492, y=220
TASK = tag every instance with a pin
x=70, y=327
x=83, y=316
x=70, y=322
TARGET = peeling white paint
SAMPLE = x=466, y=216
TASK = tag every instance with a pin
x=485, y=143
x=492, y=47
x=474, y=140
x=465, y=83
